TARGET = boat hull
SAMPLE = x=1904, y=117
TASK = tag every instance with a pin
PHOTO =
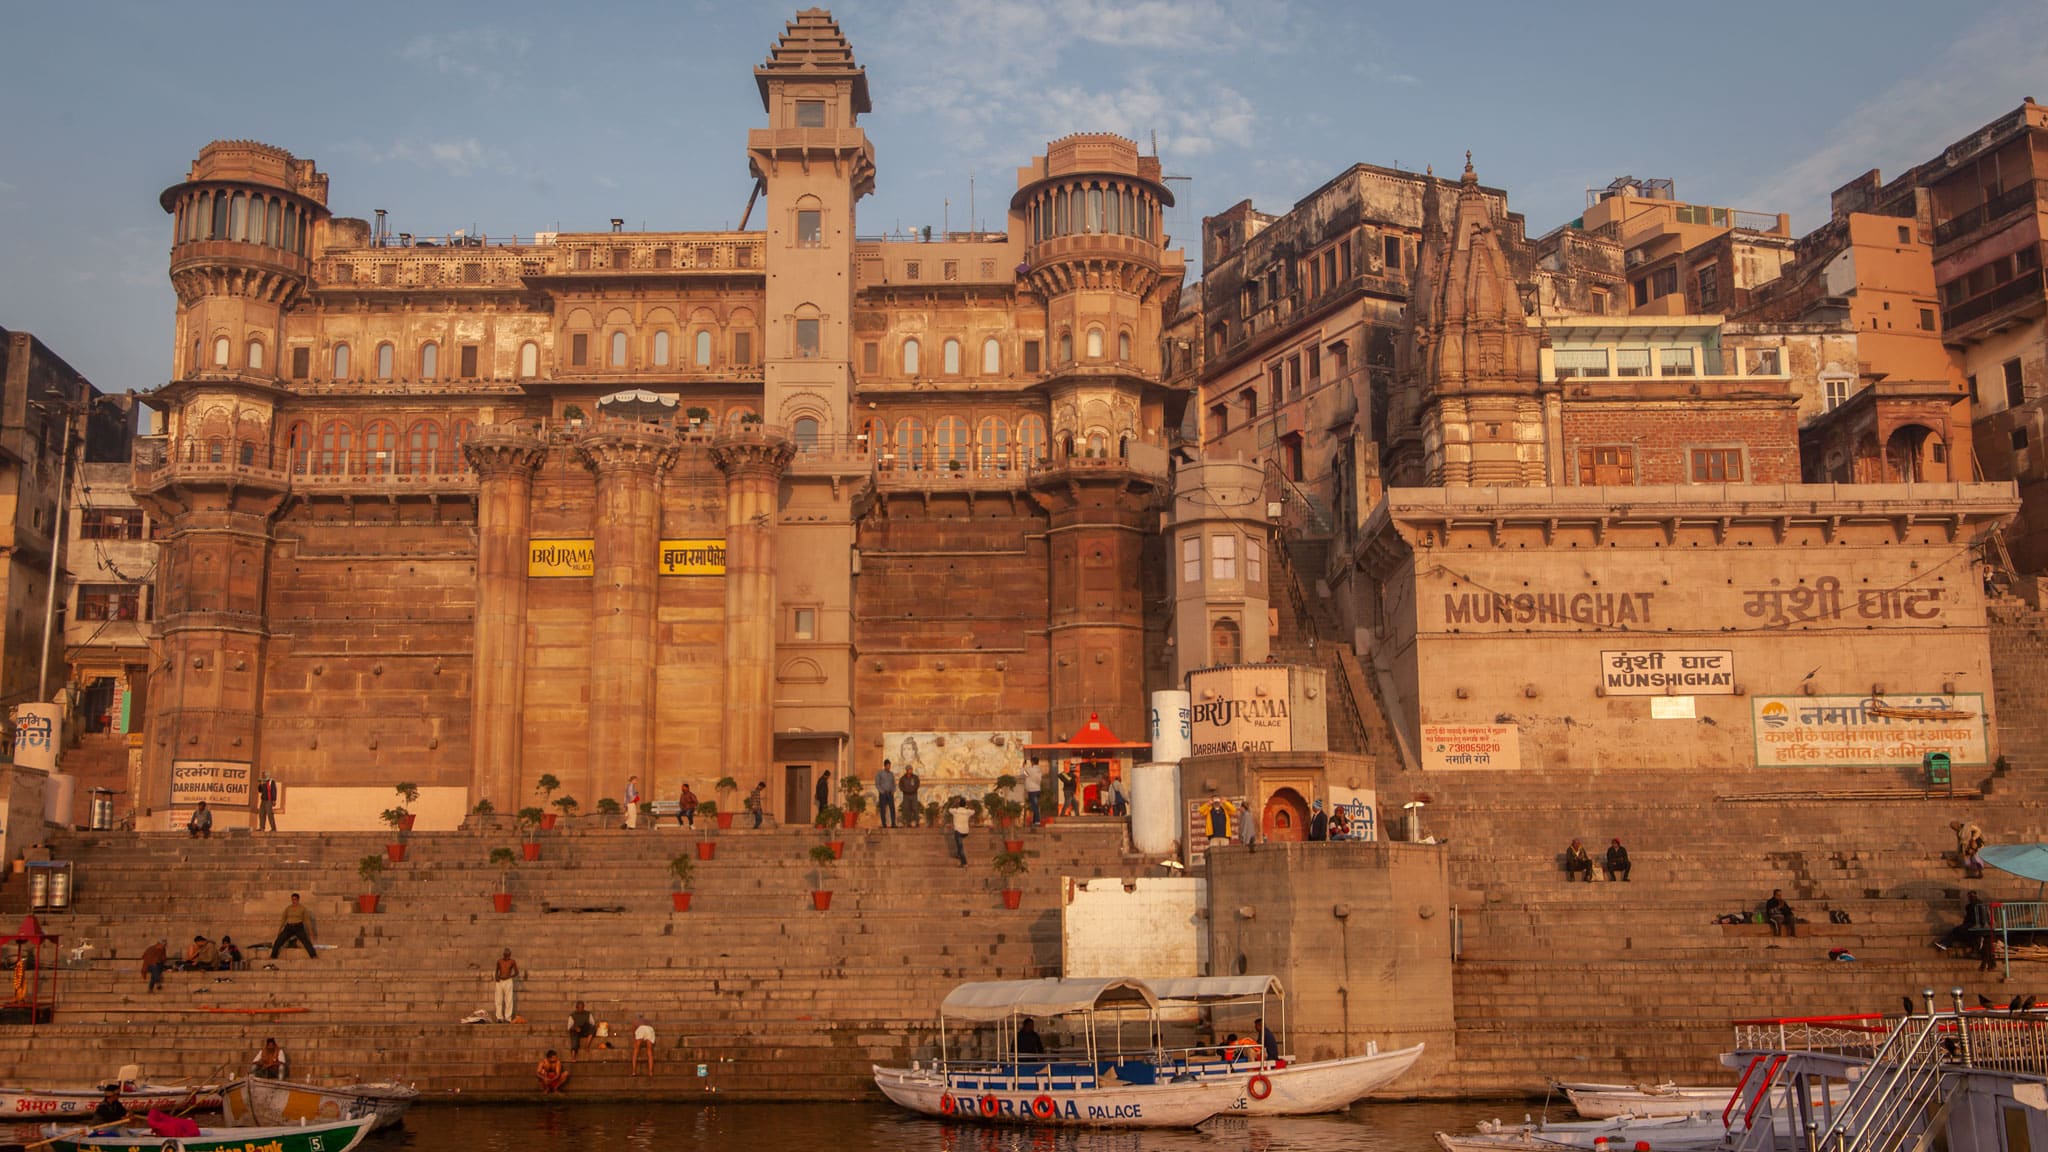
x=1664, y=1133
x=1606, y=1101
x=258, y=1103
x=63, y=1103
x=340, y=1136
x=1324, y=1085
x=1124, y=1106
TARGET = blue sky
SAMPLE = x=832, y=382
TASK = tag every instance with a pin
x=514, y=116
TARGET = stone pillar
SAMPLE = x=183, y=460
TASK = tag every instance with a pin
x=753, y=458
x=629, y=460
x=504, y=457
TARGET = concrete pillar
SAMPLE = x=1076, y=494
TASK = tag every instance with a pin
x=753, y=458
x=629, y=460
x=504, y=457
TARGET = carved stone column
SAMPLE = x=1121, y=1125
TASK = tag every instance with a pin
x=629, y=460
x=753, y=459
x=504, y=457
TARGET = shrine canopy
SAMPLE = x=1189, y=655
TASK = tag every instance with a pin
x=30, y=932
x=1093, y=742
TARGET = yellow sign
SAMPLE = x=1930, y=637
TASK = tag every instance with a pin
x=693, y=557
x=561, y=557
x=216, y=781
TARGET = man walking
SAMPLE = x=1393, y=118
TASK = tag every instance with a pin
x=885, y=795
x=297, y=925
x=1034, y=785
x=757, y=801
x=503, y=998
x=266, y=804
x=822, y=793
x=908, y=784
x=963, y=820
x=632, y=799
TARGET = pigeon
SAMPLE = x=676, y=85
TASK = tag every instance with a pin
x=1984, y=1002
x=1908, y=1002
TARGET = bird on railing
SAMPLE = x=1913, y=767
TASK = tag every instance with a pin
x=1984, y=1002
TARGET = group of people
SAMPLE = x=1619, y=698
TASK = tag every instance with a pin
x=204, y=955
x=1975, y=933
x=553, y=1074
x=199, y=825
x=1328, y=826
x=755, y=803
x=1578, y=862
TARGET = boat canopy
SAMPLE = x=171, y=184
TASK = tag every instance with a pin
x=2028, y=860
x=1002, y=999
x=1212, y=989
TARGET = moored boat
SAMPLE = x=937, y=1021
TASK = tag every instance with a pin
x=60, y=1103
x=255, y=1102
x=1606, y=1101
x=336, y=1136
x=1664, y=1133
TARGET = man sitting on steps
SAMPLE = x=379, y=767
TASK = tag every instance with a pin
x=1577, y=860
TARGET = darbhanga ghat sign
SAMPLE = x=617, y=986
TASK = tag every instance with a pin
x=1240, y=709
x=214, y=781
x=1896, y=731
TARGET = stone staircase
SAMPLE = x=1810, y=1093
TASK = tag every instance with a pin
x=773, y=998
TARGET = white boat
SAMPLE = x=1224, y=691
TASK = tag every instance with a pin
x=1100, y=1080
x=337, y=1136
x=253, y=1102
x=1606, y=1101
x=1663, y=1133
x=63, y=1103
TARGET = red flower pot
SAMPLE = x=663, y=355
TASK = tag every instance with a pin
x=405, y=825
x=502, y=901
x=396, y=852
x=1012, y=897
x=838, y=848
x=530, y=850
x=706, y=849
x=1013, y=845
x=681, y=899
x=852, y=819
x=725, y=819
x=366, y=903
x=547, y=821
x=822, y=901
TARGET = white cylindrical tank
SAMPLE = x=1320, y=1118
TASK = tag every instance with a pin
x=1173, y=732
x=1155, y=807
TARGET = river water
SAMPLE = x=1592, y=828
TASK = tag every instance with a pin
x=629, y=1126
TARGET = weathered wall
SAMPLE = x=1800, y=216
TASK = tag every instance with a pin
x=1663, y=432
x=1142, y=926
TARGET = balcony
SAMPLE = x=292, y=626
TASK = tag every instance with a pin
x=161, y=462
x=2019, y=196
x=2023, y=287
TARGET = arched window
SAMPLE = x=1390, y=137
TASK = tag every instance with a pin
x=273, y=235
x=336, y=438
x=738, y=416
x=910, y=352
x=256, y=355
x=1113, y=221
x=618, y=349
x=259, y=219
x=703, y=348
x=220, y=352
x=380, y=448
x=423, y=447
x=298, y=443
x=238, y=217
x=341, y=361
x=1031, y=440
x=460, y=432
x=529, y=360
x=1123, y=345
x=991, y=357
x=949, y=443
x=430, y=360
x=1098, y=445
x=1095, y=343
x=383, y=361
x=216, y=450
x=1066, y=347
x=992, y=444
x=952, y=357
x=661, y=349
x=805, y=433
x=874, y=436
x=217, y=228
x=1059, y=213
x=910, y=443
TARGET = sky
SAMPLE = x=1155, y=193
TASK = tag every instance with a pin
x=513, y=117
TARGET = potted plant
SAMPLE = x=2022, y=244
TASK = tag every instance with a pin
x=727, y=788
x=697, y=416
x=647, y=812
x=856, y=799
x=506, y=862
x=369, y=868
x=397, y=818
x=822, y=855
x=573, y=414
x=531, y=821
x=546, y=786
x=683, y=869
x=566, y=805
x=1009, y=865
x=829, y=817
x=707, y=811
x=409, y=793
x=608, y=810
x=483, y=816
x=1006, y=787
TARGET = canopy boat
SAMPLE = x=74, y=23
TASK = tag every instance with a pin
x=255, y=1102
x=1607, y=1101
x=1100, y=1079
x=336, y=1136
x=59, y=1103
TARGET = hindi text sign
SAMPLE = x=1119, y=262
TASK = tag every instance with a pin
x=1842, y=731
x=214, y=781
x=1461, y=747
x=1657, y=673
x=693, y=557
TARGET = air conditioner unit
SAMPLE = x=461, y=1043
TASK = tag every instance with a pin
x=1272, y=509
x=1632, y=257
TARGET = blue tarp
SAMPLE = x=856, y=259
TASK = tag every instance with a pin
x=2028, y=860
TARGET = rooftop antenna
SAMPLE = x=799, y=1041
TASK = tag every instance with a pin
x=971, y=224
x=946, y=216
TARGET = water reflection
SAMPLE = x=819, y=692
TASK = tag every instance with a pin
x=673, y=1127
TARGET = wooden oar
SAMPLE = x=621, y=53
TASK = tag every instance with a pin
x=75, y=1132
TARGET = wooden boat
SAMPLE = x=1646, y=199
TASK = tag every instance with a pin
x=1643, y=1101
x=336, y=1136
x=1664, y=1133
x=60, y=1103
x=1101, y=1081
x=253, y=1103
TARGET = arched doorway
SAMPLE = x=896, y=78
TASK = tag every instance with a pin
x=1225, y=646
x=1914, y=455
x=1285, y=818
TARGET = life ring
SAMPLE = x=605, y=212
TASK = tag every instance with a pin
x=1259, y=1087
x=948, y=1105
x=990, y=1106
x=1043, y=1107
x=168, y=1146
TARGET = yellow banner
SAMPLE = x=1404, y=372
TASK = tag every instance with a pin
x=561, y=557
x=693, y=557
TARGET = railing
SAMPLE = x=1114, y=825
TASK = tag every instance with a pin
x=1991, y=211
x=1301, y=508
x=2009, y=917
x=311, y=467
x=1842, y=1035
x=2010, y=292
